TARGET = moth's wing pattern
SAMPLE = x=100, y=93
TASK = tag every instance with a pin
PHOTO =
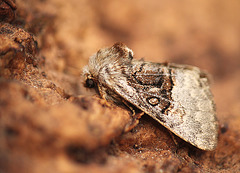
x=177, y=96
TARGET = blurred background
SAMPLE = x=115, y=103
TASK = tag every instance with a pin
x=202, y=33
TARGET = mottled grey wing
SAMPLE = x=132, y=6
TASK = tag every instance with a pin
x=177, y=96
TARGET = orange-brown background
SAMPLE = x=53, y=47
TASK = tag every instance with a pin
x=50, y=135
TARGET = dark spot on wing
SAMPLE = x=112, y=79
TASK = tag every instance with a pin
x=166, y=106
x=153, y=101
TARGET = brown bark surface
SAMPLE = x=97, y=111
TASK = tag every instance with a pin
x=50, y=123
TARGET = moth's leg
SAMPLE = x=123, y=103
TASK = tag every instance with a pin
x=130, y=107
x=135, y=117
x=133, y=123
x=103, y=95
x=101, y=92
x=173, y=138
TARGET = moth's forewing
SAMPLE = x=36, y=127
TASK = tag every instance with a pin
x=177, y=96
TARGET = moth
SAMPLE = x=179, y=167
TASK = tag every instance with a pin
x=177, y=96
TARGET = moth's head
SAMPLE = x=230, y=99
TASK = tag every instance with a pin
x=90, y=81
x=116, y=55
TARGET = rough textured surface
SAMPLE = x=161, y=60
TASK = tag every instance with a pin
x=50, y=123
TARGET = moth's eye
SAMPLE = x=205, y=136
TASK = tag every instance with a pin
x=90, y=83
x=130, y=55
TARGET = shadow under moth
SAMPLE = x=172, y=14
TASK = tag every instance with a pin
x=177, y=96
